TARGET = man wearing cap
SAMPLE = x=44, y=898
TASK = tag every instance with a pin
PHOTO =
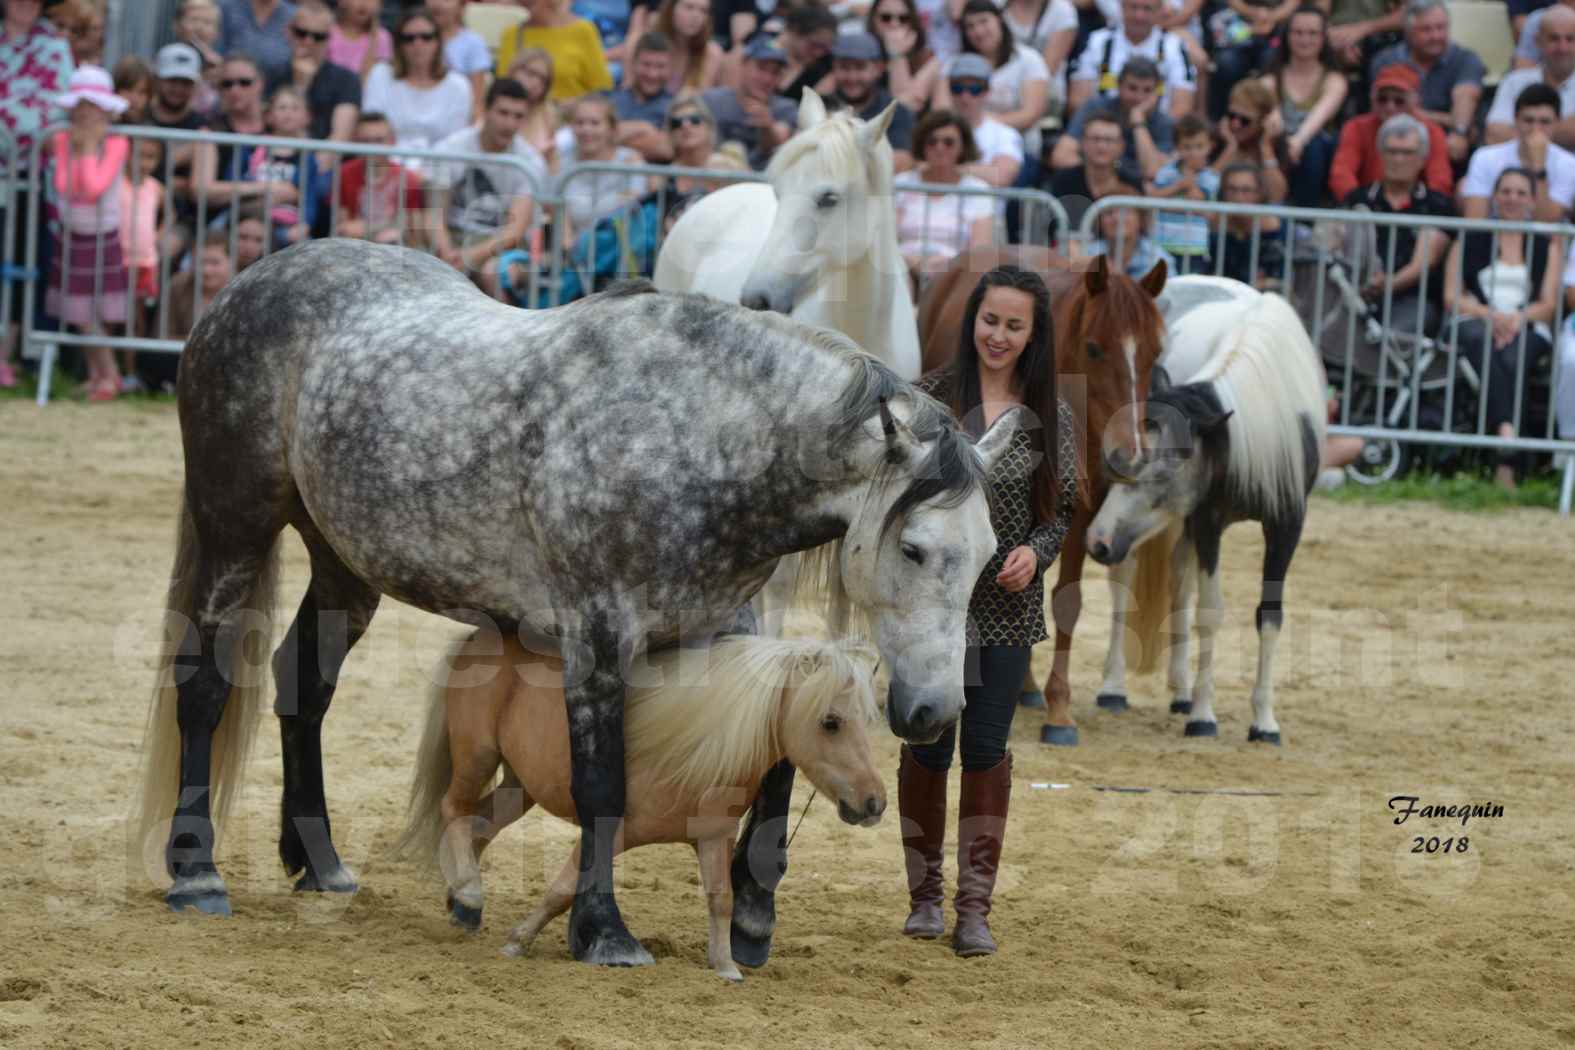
x=642, y=106
x=1000, y=147
x=332, y=92
x=1556, y=43
x=857, y=65
x=178, y=68
x=1357, y=161
x=753, y=114
x=1451, y=74
x=1107, y=51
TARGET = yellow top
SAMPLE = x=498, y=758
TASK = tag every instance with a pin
x=576, y=49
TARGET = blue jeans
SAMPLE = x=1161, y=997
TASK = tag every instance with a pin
x=1307, y=179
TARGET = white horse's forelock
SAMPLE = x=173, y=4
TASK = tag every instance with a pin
x=835, y=141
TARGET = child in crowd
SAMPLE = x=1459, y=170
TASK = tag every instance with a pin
x=193, y=290
x=141, y=200
x=358, y=40
x=197, y=24
x=87, y=275
x=287, y=118
x=134, y=83
x=379, y=199
x=1183, y=235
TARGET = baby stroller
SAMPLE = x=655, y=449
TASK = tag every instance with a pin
x=1395, y=376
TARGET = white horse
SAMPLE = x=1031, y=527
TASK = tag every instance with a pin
x=819, y=243
x=1239, y=439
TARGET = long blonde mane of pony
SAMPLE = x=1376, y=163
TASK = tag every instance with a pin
x=718, y=727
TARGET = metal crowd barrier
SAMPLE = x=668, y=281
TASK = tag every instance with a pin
x=1401, y=380
x=12, y=269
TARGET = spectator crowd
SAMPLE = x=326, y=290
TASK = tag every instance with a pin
x=1345, y=103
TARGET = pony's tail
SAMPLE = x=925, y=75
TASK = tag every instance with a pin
x=434, y=772
x=1149, y=607
x=232, y=741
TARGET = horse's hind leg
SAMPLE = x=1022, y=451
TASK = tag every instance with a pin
x=1280, y=540
x=558, y=899
x=759, y=863
x=334, y=614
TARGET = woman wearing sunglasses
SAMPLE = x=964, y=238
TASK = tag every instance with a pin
x=1252, y=132
x=220, y=172
x=423, y=99
x=911, y=67
x=1019, y=79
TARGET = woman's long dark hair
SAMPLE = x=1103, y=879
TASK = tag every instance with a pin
x=1003, y=50
x=1281, y=56
x=1035, y=372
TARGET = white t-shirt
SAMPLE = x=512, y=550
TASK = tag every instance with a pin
x=1111, y=11
x=591, y=196
x=943, y=36
x=1175, y=69
x=995, y=139
x=1509, y=89
x=1057, y=16
x=1488, y=162
x=467, y=53
x=481, y=194
x=420, y=116
x=938, y=225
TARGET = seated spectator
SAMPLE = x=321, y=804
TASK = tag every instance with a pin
x=1451, y=75
x=1244, y=34
x=807, y=34
x=1503, y=304
x=1189, y=177
x=1251, y=132
x=695, y=58
x=332, y=93
x=1553, y=168
x=1099, y=175
x=532, y=69
x=219, y=171
x=422, y=98
x=1000, y=148
x=692, y=132
x=1527, y=53
x=83, y=23
x=197, y=25
x=1556, y=41
x=1309, y=92
x=933, y=229
x=290, y=218
x=1241, y=182
x=912, y=68
x=753, y=114
x=1108, y=49
x=463, y=49
x=486, y=209
x=1564, y=368
x=1124, y=239
x=1146, y=129
x=179, y=71
x=857, y=66
x=574, y=44
x=134, y=84
x=1417, y=253
x=641, y=107
x=357, y=42
x=379, y=199
x=1356, y=161
x=591, y=197
x=257, y=28
x=192, y=290
x=1360, y=28
x=1049, y=29
x=1521, y=12
x=1019, y=81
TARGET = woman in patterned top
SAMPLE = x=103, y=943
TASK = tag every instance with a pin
x=1005, y=359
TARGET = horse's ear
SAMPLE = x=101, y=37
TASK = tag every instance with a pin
x=1209, y=424
x=1158, y=381
x=871, y=133
x=1097, y=276
x=898, y=437
x=1153, y=282
x=811, y=110
x=993, y=445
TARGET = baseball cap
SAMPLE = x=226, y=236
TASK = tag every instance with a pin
x=1399, y=75
x=861, y=47
x=764, y=49
x=969, y=66
x=178, y=62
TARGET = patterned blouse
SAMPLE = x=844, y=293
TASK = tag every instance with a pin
x=997, y=616
x=33, y=70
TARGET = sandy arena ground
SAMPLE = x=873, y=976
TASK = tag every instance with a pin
x=1426, y=653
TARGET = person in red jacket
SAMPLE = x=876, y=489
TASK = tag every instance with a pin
x=1357, y=162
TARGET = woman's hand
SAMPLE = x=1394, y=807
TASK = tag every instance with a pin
x=1293, y=149
x=1273, y=125
x=1505, y=328
x=899, y=40
x=1018, y=572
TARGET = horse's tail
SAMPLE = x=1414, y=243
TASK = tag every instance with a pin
x=434, y=772
x=1149, y=604
x=161, y=746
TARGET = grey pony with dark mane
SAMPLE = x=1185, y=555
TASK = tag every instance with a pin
x=606, y=478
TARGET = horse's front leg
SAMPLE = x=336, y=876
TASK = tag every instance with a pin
x=557, y=900
x=1280, y=540
x=759, y=863
x=1066, y=605
x=1211, y=613
x=1113, y=687
x=594, y=694
x=714, y=879
x=1183, y=577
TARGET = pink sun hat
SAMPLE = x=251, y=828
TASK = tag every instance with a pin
x=92, y=84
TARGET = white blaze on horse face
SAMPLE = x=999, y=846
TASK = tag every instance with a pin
x=1129, y=347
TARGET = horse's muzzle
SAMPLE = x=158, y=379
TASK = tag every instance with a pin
x=868, y=816
x=916, y=718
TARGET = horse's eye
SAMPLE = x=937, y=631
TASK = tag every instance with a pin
x=1150, y=428
x=913, y=554
x=1094, y=352
x=831, y=723
x=827, y=199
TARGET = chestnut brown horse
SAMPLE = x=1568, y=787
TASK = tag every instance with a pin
x=1108, y=334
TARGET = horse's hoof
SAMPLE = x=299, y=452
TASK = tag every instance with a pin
x=1258, y=736
x=615, y=948
x=203, y=893
x=339, y=880
x=1113, y=702
x=512, y=950
x=1058, y=736
x=463, y=915
x=1035, y=700
x=1202, y=729
x=1181, y=707
x=731, y=976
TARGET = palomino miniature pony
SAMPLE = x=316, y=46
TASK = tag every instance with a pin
x=1108, y=335
x=1240, y=440
x=697, y=746
x=612, y=476
x=819, y=243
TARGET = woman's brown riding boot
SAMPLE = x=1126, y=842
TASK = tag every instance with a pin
x=981, y=825
x=921, y=803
